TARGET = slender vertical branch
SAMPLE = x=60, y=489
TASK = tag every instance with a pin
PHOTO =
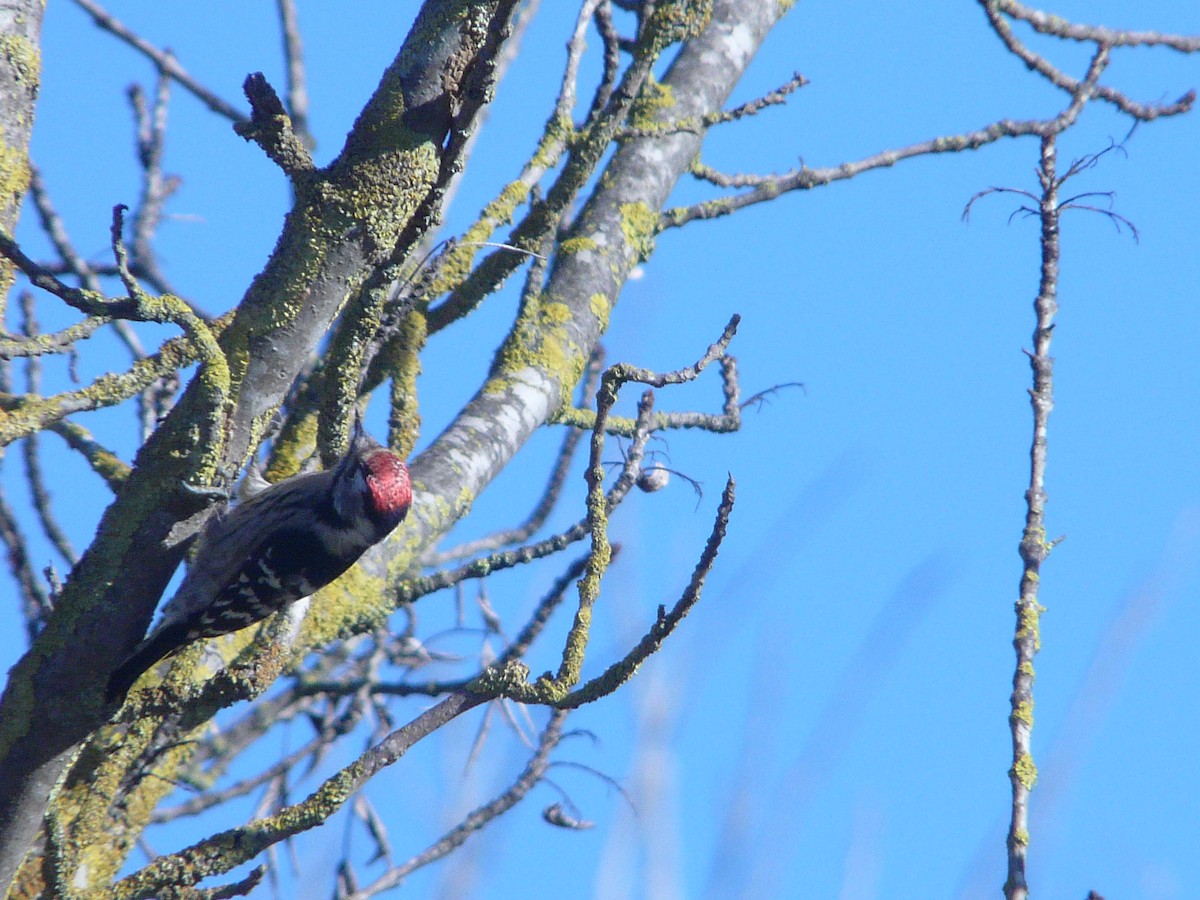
x=39, y=493
x=297, y=80
x=1034, y=546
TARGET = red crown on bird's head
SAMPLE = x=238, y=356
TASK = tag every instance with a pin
x=389, y=484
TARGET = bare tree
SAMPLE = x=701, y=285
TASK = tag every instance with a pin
x=359, y=278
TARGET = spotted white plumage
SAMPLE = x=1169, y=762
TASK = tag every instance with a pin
x=284, y=543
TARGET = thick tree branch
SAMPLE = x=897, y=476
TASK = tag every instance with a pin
x=20, y=80
x=373, y=201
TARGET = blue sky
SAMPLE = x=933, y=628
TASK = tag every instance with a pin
x=831, y=721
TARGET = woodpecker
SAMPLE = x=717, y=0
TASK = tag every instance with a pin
x=281, y=545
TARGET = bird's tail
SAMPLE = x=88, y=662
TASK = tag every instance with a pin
x=148, y=652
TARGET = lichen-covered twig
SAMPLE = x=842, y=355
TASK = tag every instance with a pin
x=631, y=468
x=1101, y=37
x=103, y=461
x=272, y=129
x=728, y=420
x=23, y=415
x=586, y=149
x=558, y=690
x=332, y=730
x=703, y=123
x=479, y=818
x=667, y=621
x=763, y=188
x=1046, y=23
x=454, y=271
x=223, y=851
x=1034, y=546
x=76, y=265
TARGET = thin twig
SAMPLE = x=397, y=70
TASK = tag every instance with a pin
x=293, y=58
x=228, y=849
x=1034, y=546
x=701, y=124
x=586, y=149
x=559, y=690
x=479, y=818
x=1037, y=63
x=75, y=264
x=725, y=422
x=767, y=188
x=612, y=57
x=621, y=671
x=38, y=491
x=35, y=604
x=166, y=63
x=576, y=45
x=1044, y=23
x=336, y=728
x=157, y=188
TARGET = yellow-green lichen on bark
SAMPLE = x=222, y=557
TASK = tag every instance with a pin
x=1029, y=622
x=639, y=225
x=15, y=173
x=354, y=600
x=404, y=421
x=457, y=264
x=24, y=59
x=92, y=579
x=100, y=833
x=110, y=467
x=540, y=339
x=1024, y=712
x=341, y=371
x=560, y=131
x=1029, y=619
x=83, y=807
x=371, y=198
x=1025, y=771
x=292, y=447
x=14, y=182
x=574, y=652
x=674, y=21
x=501, y=681
x=85, y=802
x=381, y=191
x=652, y=101
x=601, y=308
x=576, y=245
